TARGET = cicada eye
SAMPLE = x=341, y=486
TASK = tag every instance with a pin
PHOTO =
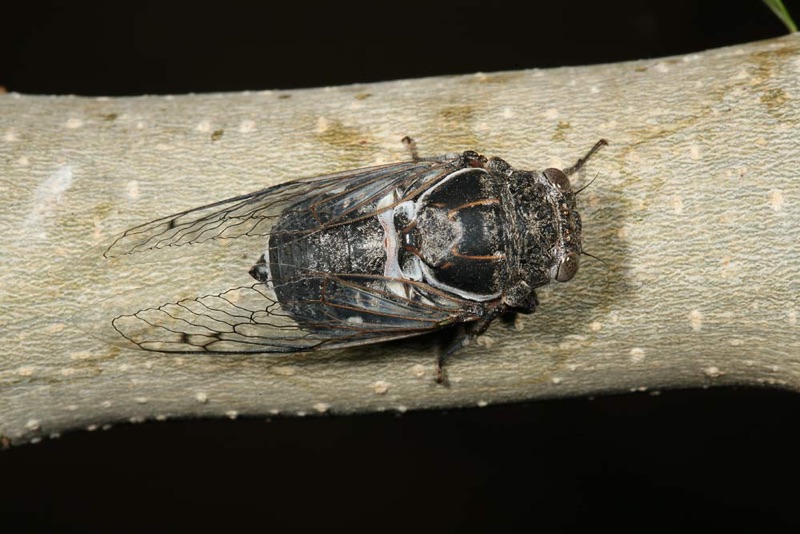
x=567, y=267
x=558, y=179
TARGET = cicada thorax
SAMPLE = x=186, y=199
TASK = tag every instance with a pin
x=458, y=236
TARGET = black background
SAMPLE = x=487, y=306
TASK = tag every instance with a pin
x=712, y=459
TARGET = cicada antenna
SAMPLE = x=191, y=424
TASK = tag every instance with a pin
x=587, y=185
x=584, y=253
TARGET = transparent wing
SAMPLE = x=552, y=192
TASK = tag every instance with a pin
x=233, y=314
x=249, y=320
x=332, y=199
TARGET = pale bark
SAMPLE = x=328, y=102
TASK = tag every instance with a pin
x=694, y=213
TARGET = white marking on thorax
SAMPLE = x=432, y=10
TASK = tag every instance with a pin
x=391, y=268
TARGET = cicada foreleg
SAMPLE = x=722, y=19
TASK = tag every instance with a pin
x=467, y=332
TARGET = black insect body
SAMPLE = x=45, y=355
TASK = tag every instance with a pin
x=369, y=255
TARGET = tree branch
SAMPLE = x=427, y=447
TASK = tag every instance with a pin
x=694, y=213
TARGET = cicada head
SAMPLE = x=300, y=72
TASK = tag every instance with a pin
x=549, y=234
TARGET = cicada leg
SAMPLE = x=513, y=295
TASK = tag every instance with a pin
x=468, y=332
x=582, y=161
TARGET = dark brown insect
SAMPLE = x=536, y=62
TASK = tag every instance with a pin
x=367, y=255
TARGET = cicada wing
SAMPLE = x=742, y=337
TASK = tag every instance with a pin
x=250, y=320
x=160, y=309
x=331, y=199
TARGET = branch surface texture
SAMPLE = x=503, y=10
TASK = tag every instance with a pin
x=694, y=213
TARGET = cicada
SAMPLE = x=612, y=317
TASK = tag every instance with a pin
x=365, y=256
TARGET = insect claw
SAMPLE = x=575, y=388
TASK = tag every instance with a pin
x=439, y=374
